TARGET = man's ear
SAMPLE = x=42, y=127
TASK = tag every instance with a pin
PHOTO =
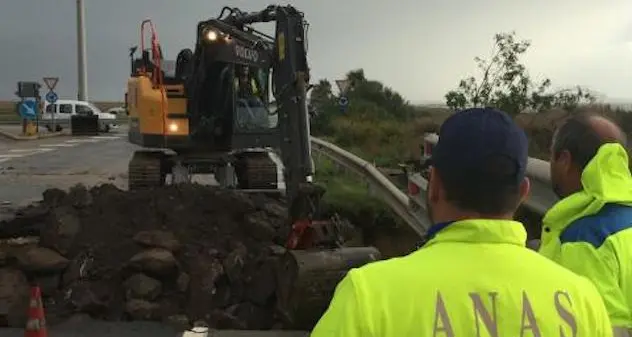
x=525, y=189
x=434, y=185
x=564, y=161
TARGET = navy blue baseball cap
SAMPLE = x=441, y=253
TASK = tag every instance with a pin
x=469, y=139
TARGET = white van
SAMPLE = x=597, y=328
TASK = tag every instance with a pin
x=64, y=108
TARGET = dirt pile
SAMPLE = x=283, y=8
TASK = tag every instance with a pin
x=177, y=254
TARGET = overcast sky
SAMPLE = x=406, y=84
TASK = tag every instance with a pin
x=421, y=48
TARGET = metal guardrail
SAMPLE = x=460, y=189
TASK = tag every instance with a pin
x=382, y=186
x=542, y=197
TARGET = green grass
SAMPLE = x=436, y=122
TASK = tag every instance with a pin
x=349, y=197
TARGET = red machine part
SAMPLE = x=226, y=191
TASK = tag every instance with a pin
x=157, y=78
x=307, y=234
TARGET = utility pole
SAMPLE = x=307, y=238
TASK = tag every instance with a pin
x=82, y=67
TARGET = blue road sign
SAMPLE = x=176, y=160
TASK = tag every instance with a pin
x=51, y=97
x=343, y=102
x=28, y=109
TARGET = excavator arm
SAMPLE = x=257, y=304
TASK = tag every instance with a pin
x=290, y=83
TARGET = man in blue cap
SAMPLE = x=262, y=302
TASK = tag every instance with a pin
x=473, y=276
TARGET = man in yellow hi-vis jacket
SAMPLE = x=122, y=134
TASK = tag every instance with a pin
x=589, y=231
x=474, y=276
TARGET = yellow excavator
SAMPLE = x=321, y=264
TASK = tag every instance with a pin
x=227, y=108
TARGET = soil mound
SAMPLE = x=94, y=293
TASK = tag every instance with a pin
x=178, y=254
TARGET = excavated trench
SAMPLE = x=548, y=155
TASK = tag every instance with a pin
x=178, y=254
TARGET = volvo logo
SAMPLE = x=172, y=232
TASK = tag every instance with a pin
x=246, y=53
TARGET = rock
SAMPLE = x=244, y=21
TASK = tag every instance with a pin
x=64, y=225
x=252, y=316
x=155, y=261
x=263, y=286
x=27, y=222
x=14, y=297
x=234, y=262
x=142, y=310
x=203, y=292
x=258, y=226
x=141, y=286
x=277, y=250
x=158, y=239
x=78, y=268
x=41, y=260
x=53, y=196
x=180, y=322
x=226, y=320
x=83, y=298
x=79, y=196
x=182, y=282
x=275, y=210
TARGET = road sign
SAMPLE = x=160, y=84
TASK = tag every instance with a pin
x=51, y=82
x=343, y=85
x=28, y=109
x=51, y=97
x=28, y=89
x=343, y=101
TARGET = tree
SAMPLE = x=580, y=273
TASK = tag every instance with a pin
x=505, y=84
x=368, y=99
x=375, y=125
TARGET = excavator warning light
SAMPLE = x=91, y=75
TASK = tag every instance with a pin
x=173, y=127
x=211, y=35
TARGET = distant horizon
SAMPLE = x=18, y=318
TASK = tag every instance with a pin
x=612, y=101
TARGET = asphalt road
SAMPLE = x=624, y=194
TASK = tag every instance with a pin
x=27, y=168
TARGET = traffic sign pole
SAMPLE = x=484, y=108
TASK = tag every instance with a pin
x=51, y=96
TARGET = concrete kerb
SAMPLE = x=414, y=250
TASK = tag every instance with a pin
x=13, y=136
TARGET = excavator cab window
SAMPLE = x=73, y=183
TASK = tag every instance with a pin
x=251, y=101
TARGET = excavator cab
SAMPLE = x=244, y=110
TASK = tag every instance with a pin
x=228, y=88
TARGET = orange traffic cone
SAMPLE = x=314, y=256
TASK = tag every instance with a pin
x=36, y=324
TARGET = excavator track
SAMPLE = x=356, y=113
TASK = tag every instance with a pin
x=146, y=170
x=255, y=170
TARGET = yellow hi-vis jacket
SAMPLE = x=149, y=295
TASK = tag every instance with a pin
x=473, y=278
x=590, y=232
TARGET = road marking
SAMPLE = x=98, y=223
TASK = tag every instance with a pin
x=72, y=141
x=106, y=137
x=2, y=160
x=23, y=150
x=29, y=152
x=9, y=156
x=60, y=145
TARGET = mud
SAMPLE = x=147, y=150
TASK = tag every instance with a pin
x=178, y=254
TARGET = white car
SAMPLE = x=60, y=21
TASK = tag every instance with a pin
x=116, y=111
x=60, y=112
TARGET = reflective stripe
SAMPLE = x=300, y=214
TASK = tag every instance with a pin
x=621, y=332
